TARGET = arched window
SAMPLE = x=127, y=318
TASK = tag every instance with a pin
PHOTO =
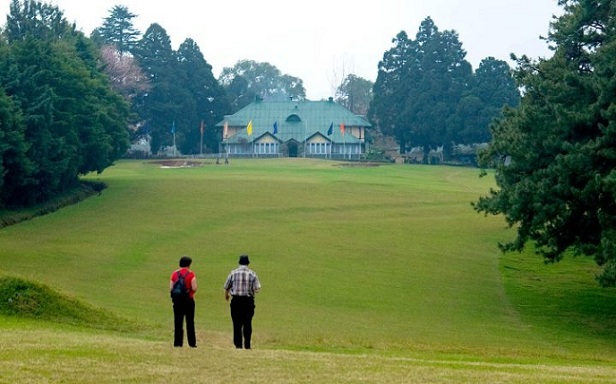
x=293, y=119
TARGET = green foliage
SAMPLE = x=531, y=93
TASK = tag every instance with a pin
x=118, y=30
x=32, y=19
x=210, y=102
x=248, y=79
x=163, y=105
x=493, y=88
x=554, y=155
x=355, y=93
x=71, y=196
x=183, y=94
x=29, y=299
x=65, y=120
x=426, y=94
x=15, y=166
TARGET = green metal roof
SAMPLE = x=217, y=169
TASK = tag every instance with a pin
x=296, y=120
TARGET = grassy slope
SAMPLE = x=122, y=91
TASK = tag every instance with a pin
x=388, y=260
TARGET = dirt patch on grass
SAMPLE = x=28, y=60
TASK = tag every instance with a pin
x=178, y=163
x=360, y=165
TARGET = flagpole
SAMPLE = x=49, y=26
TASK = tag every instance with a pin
x=173, y=131
x=343, y=146
x=305, y=129
x=249, y=134
x=330, y=132
x=201, y=138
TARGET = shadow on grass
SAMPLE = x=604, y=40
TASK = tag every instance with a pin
x=562, y=298
x=81, y=192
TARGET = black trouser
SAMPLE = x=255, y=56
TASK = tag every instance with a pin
x=184, y=308
x=242, y=311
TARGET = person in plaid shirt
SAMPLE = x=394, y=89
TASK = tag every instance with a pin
x=242, y=284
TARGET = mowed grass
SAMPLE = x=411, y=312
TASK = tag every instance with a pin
x=370, y=274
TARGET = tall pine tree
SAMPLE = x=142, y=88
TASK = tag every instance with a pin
x=555, y=155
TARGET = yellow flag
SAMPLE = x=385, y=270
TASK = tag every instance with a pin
x=249, y=128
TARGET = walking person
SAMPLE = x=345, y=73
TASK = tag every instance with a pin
x=242, y=284
x=184, y=302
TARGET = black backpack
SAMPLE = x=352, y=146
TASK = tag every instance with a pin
x=179, y=290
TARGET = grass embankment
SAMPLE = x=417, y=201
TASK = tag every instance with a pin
x=373, y=274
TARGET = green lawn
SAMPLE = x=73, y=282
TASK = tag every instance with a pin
x=370, y=274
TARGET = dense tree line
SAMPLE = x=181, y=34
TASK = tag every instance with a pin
x=555, y=155
x=426, y=94
x=59, y=117
x=168, y=89
x=181, y=93
x=70, y=104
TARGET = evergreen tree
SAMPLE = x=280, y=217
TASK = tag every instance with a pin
x=555, y=155
x=161, y=107
x=492, y=89
x=419, y=86
x=73, y=123
x=389, y=93
x=16, y=169
x=118, y=30
x=210, y=100
x=116, y=38
x=441, y=78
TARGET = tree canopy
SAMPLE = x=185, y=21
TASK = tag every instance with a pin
x=555, y=155
x=60, y=117
x=355, y=93
x=248, y=79
x=117, y=38
x=426, y=94
x=183, y=93
x=118, y=30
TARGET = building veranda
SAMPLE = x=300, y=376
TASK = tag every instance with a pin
x=318, y=129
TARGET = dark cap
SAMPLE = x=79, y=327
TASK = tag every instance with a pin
x=244, y=260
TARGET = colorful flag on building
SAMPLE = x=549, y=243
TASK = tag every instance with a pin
x=249, y=128
x=331, y=129
x=225, y=130
x=275, y=127
x=342, y=128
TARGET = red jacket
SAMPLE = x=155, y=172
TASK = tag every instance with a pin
x=188, y=279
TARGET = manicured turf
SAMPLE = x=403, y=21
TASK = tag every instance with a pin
x=385, y=261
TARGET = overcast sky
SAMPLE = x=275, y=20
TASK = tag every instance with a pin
x=319, y=41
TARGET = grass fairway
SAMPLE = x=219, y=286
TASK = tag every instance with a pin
x=370, y=274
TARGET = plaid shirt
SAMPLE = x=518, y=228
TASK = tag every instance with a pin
x=242, y=282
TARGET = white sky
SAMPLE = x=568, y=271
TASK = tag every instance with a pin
x=320, y=41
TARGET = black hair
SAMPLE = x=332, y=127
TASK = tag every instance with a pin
x=185, y=261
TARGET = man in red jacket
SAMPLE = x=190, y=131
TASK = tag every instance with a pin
x=184, y=307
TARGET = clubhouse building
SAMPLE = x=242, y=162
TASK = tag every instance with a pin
x=318, y=129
